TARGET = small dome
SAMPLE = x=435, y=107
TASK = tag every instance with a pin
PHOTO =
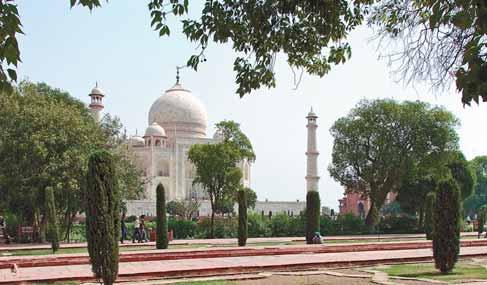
x=137, y=141
x=97, y=91
x=311, y=114
x=180, y=113
x=154, y=130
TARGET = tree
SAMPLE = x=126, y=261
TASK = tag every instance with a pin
x=379, y=142
x=242, y=217
x=216, y=171
x=412, y=195
x=429, y=211
x=41, y=129
x=186, y=209
x=52, y=223
x=231, y=134
x=478, y=165
x=47, y=139
x=437, y=41
x=162, y=240
x=462, y=174
x=482, y=218
x=446, y=225
x=102, y=216
x=312, y=215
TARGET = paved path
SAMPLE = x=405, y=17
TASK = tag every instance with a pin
x=229, y=241
x=215, y=266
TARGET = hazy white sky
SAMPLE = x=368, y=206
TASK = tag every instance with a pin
x=72, y=48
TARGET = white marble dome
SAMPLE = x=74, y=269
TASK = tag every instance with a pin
x=137, y=141
x=97, y=91
x=180, y=113
x=155, y=130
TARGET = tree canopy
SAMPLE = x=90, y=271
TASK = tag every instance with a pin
x=46, y=139
x=478, y=166
x=216, y=172
x=436, y=41
x=379, y=142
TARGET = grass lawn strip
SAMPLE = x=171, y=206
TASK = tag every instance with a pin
x=427, y=271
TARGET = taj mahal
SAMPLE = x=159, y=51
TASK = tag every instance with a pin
x=176, y=121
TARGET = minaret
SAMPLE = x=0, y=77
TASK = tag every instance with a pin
x=96, y=105
x=312, y=154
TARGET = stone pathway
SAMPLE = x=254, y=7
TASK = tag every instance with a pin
x=225, y=265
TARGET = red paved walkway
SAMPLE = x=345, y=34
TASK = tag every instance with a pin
x=215, y=266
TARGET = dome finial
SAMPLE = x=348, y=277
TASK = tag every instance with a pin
x=177, y=74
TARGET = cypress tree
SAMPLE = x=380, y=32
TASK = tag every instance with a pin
x=312, y=215
x=481, y=217
x=102, y=216
x=446, y=226
x=428, y=214
x=52, y=224
x=242, y=218
x=161, y=237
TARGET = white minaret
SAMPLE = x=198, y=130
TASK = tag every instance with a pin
x=96, y=105
x=312, y=154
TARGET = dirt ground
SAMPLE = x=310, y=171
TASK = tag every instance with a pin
x=305, y=280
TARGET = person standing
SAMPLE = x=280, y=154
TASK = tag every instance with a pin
x=136, y=234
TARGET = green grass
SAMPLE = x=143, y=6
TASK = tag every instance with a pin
x=462, y=271
x=213, y=282
x=59, y=283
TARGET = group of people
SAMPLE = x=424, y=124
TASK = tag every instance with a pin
x=139, y=233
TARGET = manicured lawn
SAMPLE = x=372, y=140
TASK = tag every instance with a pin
x=217, y=282
x=462, y=271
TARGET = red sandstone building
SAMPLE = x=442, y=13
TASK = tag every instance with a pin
x=358, y=205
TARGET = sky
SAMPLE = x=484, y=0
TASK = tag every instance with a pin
x=115, y=46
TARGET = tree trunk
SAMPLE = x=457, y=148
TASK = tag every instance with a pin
x=212, y=224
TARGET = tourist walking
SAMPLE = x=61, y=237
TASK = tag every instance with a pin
x=136, y=234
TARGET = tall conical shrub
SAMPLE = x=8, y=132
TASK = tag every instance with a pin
x=52, y=223
x=428, y=214
x=312, y=215
x=161, y=237
x=446, y=230
x=242, y=218
x=102, y=216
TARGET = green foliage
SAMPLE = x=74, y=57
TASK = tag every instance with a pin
x=280, y=225
x=313, y=208
x=162, y=240
x=182, y=229
x=102, y=216
x=52, y=223
x=412, y=195
x=242, y=218
x=312, y=35
x=258, y=226
x=224, y=228
x=446, y=226
x=9, y=46
x=231, y=134
x=403, y=224
x=48, y=137
x=380, y=142
x=185, y=209
x=462, y=174
x=216, y=171
x=350, y=224
x=428, y=211
x=478, y=165
x=482, y=218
